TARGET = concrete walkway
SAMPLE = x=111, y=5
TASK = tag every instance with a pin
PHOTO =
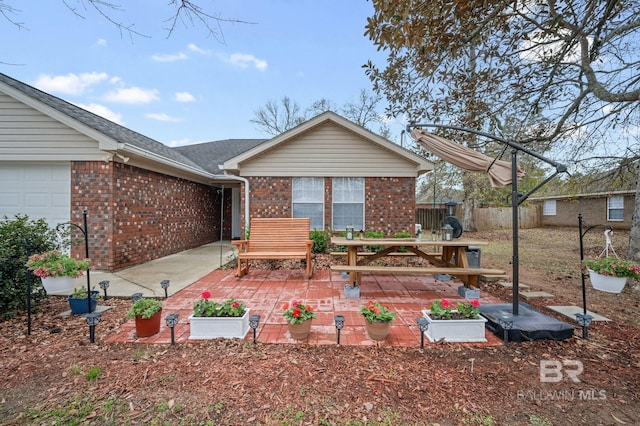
x=181, y=269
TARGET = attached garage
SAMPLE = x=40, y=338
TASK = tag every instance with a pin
x=39, y=190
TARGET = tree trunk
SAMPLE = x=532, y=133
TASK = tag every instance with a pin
x=633, y=252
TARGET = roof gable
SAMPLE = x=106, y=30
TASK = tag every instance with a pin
x=328, y=145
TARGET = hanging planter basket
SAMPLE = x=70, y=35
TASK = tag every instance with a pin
x=607, y=283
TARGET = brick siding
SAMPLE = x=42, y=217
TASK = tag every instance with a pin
x=136, y=215
x=593, y=209
x=389, y=202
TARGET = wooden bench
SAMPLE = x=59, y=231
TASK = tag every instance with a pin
x=469, y=275
x=275, y=238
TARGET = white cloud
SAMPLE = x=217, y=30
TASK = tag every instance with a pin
x=170, y=57
x=184, y=97
x=132, y=95
x=163, y=117
x=70, y=84
x=541, y=46
x=103, y=111
x=180, y=142
x=100, y=43
x=245, y=60
x=192, y=47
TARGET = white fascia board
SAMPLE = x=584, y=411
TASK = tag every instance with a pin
x=126, y=148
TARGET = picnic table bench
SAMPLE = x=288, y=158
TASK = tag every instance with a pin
x=451, y=259
x=278, y=239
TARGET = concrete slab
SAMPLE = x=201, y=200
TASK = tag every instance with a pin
x=99, y=309
x=571, y=311
x=536, y=295
x=509, y=285
x=181, y=269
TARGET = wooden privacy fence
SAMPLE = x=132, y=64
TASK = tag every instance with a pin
x=485, y=219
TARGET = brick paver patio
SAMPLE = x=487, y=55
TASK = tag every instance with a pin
x=265, y=292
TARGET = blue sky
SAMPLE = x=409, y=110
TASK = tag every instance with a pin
x=190, y=87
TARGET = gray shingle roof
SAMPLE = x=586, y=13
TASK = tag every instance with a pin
x=211, y=154
x=102, y=125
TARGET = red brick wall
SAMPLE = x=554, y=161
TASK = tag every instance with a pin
x=594, y=212
x=390, y=205
x=389, y=202
x=136, y=215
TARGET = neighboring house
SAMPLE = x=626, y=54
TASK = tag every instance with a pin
x=613, y=208
x=146, y=200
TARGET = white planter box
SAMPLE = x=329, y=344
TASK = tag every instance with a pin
x=461, y=330
x=203, y=328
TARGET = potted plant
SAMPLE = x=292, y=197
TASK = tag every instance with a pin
x=610, y=273
x=147, y=313
x=57, y=270
x=78, y=300
x=462, y=324
x=378, y=319
x=210, y=319
x=299, y=317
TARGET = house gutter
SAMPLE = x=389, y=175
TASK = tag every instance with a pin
x=227, y=177
x=160, y=159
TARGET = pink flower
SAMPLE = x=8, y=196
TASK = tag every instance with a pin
x=206, y=294
x=474, y=303
x=445, y=303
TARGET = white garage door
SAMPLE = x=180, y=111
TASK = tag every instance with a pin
x=39, y=190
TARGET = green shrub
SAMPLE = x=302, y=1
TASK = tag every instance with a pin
x=144, y=308
x=19, y=238
x=402, y=235
x=320, y=241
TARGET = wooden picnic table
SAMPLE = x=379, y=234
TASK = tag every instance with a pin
x=444, y=256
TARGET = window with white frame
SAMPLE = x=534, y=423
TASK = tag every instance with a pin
x=308, y=199
x=549, y=208
x=615, y=208
x=348, y=203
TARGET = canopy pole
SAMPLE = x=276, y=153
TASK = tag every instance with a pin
x=515, y=197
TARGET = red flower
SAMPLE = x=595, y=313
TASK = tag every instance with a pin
x=445, y=303
x=296, y=312
x=308, y=308
x=206, y=294
x=475, y=303
x=285, y=306
x=235, y=304
x=376, y=310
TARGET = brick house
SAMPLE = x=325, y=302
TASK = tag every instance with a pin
x=145, y=200
x=614, y=208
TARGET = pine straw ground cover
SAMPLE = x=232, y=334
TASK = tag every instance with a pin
x=55, y=376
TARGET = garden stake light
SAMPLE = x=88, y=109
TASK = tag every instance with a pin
x=172, y=321
x=165, y=285
x=423, y=325
x=506, y=326
x=104, y=285
x=136, y=296
x=253, y=323
x=585, y=321
x=92, y=320
x=339, y=320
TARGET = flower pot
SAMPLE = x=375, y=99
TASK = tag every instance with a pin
x=300, y=331
x=56, y=285
x=455, y=330
x=149, y=326
x=202, y=328
x=79, y=306
x=606, y=282
x=377, y=330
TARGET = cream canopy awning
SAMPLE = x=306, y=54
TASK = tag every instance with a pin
x=499, y=171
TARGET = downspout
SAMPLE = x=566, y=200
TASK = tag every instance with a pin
x=227, y=177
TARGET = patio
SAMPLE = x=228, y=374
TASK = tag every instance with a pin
x=265, y=292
